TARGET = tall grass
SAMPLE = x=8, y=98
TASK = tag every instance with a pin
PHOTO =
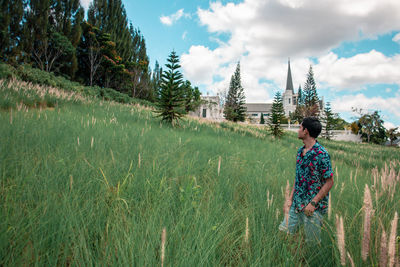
x=73, y=192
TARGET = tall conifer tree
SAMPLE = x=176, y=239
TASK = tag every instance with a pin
x=277, y=116
x=170, y=106
x=311, y=101
x=234, y=109
x=11, y=16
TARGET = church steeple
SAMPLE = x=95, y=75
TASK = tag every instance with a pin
x=289, y=83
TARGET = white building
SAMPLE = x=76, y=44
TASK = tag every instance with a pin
x=210, y=109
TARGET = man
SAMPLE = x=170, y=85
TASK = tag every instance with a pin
x=314, y=178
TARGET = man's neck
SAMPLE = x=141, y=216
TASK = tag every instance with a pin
x=309, y=142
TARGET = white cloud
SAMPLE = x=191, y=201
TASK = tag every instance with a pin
x=355, y=72
x=263, y=34
x=184, y=35
x=360, y=101
x=396, y=38
x=170, y=20
x=86, y=3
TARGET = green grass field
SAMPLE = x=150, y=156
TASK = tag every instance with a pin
x=85, y=182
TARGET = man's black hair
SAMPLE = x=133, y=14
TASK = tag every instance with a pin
x=313, y=126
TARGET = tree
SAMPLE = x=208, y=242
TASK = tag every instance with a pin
x=310, y=96
x=170, y=106
x=393, y=134
x=262, y=121
x=11, y=16
x=371, y=127
x=234, y=109
x=110, y=17
x=156, y=80
x=327, y=121
x=90, y=55
x=277, y=116
x=191, y=96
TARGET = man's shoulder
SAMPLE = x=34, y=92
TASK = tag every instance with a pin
x=321, y=150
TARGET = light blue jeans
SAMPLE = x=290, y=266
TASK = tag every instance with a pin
x=312, y=225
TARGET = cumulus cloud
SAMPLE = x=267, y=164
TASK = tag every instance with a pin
x=396, y=38
x=354, y=72
x=388, y=105
x=263, y=34
x=170, y=20
x=86, y=3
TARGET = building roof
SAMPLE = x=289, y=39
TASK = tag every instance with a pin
x=289, y=82
x=258, y=107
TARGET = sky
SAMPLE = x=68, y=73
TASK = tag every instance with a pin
x=352, y=46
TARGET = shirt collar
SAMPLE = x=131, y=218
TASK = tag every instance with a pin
x=314, y=148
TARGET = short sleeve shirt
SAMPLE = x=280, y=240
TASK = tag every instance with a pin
x=312, y=170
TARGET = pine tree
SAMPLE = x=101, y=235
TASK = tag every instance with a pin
x=156, y=80
x=11, y=18
x=262, y=121
x=234, y=109
x=170, y=106
x=110, y=17
x=300, y=97
x=327, y=121
x=277, y=116
x=310, y=96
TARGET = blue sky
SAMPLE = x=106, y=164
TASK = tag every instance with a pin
x=353, y=47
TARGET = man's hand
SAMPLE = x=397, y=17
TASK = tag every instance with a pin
x=309, y=210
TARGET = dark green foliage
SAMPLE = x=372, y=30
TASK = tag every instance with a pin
x=310, y=96
x=11, y=16
x=110, y=17
x=170, y=106
x=277, y=116
x=191, y=96
x=327, y=121
x=234, y=109
x=262, y=121
x=156, y=81
x=138, y=67
x=371, y=128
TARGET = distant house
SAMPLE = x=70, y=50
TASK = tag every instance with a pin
x=254, y=110
x=211, y=108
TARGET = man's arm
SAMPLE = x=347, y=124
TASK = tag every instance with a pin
x=321, y=194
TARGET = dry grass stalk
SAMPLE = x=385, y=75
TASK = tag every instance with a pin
x=91, y=143
x=392, y=241
x=287, y=202
x=330, y=206
x=78, y=140
x=71, y=182
x=219, y=164
x=163, y=240
x=340, y=239
x=368, y=211
x=139, y=160
x=383, y=257
x=350, y=259
x=11, y=117
x=246, y=237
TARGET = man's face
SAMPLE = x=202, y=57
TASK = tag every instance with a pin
x=301, y=133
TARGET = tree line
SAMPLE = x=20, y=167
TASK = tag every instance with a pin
x=104, y=49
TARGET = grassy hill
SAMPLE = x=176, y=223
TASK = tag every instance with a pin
x=90, y=182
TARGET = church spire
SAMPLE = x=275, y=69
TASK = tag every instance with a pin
x=289, y=83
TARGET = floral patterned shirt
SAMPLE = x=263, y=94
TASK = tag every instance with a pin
x=312, y=170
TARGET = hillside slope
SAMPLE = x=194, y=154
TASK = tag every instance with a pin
x=88, y=182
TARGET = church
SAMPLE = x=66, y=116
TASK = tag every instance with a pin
x=289, y=98
x=214, y=110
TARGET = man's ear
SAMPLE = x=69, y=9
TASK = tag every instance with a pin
x=305, y=130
